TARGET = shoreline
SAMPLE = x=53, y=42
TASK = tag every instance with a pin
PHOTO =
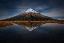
x=43, y=21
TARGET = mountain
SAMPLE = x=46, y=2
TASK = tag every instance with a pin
x=30, y=14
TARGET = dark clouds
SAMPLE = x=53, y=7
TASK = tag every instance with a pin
x=51, y=8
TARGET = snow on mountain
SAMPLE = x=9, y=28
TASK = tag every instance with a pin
x=31, y=10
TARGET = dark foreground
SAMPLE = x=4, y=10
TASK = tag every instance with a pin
x=19, y=32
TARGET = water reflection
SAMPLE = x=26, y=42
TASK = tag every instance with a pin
x=30, y=25
x=14, y=32
x=27, y=25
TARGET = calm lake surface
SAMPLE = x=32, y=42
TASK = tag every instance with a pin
x=32, y=33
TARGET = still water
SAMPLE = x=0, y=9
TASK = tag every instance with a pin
x=32, y=33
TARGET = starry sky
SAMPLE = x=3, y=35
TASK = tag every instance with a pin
x=51, y=8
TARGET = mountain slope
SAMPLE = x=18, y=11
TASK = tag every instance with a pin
x=30, y=16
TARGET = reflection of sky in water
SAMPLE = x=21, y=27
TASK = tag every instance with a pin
x=47, y=32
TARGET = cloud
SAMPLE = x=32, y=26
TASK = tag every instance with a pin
x=56, y=12
x=50, y=8
x=3, y=14
x=41, y=7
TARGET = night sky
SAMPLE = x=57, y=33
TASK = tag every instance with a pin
x=51, y=8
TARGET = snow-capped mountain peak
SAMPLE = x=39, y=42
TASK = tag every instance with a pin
x=31, y=10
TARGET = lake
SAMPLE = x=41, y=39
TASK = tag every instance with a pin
x=32, y=33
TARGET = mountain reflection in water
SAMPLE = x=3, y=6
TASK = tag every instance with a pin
x=28, y=25
x=39, y=32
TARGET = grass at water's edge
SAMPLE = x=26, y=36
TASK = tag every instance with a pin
x=7, y=23
x=46, y=21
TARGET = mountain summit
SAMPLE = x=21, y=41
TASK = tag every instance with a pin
x=30, y=14
x=31, y=10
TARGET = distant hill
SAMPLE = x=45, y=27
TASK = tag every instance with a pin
x=30, y=14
